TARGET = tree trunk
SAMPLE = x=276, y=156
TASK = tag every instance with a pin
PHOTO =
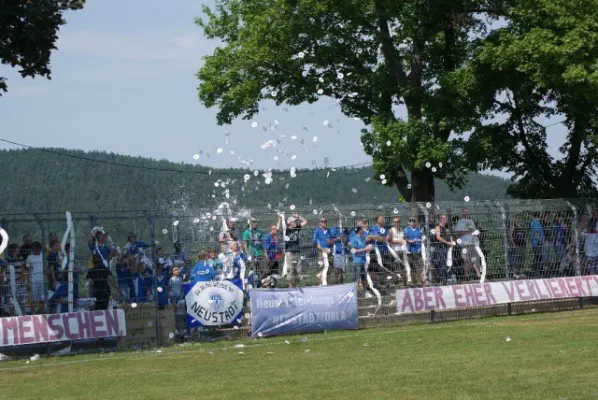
x=422, y=183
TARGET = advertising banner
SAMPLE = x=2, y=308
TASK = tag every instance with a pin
x=487, y=294
x=45, y=328
x=309, y=309
x=214, y=303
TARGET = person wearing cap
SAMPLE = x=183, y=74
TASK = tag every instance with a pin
x=100, y=245
x=131, y=247
x=253, y=246
x=292, y=247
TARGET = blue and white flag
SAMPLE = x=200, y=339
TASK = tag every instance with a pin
x=308, y=309
x=214, y=303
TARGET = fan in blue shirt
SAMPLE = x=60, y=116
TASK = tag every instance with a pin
x=202, y=272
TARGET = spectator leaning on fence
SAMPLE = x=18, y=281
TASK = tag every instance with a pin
x=295, y=224
x=180, y=259
x=37, y=278
x=359, y=249
x=202, y=271
x=464, y=229
x=517, y=244
x=396, y=239
x=175, y=286
x=590, y=236
x=444, y=240
x=536, y=235
x=230, y=235
x=338, y=239
x=321, y=241
x=254, y=248
x=272, y=248
x=54, y=264
x=413, y=237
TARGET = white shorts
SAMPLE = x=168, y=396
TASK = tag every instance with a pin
x=38, y=294
x=339, y=262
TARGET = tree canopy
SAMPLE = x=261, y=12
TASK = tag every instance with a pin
x=448, y=65
x=28, y=33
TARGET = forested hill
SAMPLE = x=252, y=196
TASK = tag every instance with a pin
x=35, y=181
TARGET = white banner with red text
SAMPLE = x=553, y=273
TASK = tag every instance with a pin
x=454, y=297
x=45, y=328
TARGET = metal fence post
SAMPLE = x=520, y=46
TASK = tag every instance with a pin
x=505, y=238
x=575, y=231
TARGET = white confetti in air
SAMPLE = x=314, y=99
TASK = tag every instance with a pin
x=464, y=251
x=159, y=289
x=382, y=176
x=354, y=190
x=388, y=143
x=175, y=223
x=134, y=305
x=382, y=231
x=433, y=169
x=292, y=207
x=216, y=184
x=196, y=220
x=432, y=232
x=301, y=54
x=428, y=205
x=368, y=179
x=288, y=185
x=459, y=241
x=196, y=156
x=395, y=211
x=256, y=173
x=353, y=251
x=320, y=91
x=232, y=152
x=466, y=198
x=273, y=94
x=287, y=342
x=325, y=122
x=353, y=213
x=287, y=238
x=246, y=177
x=219, y=150
x=388, y=277
x=260, y=334
x=294, y=156
x=275, y=158
x=508, y=339
x=254, y=124
x=164, y=231
x=439, y=165
x=293, y=137
x=340, y=75
x=315, y=212
x=321, y=79
x=171, y=335
x=408, y=186
x=428, y=165
x=211, y=228
x=383, y=181
x=268, y=181
x=315, y=139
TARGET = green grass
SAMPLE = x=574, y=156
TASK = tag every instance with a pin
x=550, y=356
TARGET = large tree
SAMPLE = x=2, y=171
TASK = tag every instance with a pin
x=28, y=33
x=375, y=57
x=542, y=62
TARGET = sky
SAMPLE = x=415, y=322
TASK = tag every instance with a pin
x=123, y=81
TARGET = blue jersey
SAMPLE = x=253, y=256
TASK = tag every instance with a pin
x=61, y=292
x=536, y=228
x=379, y=231
x=237, y=266
x=161, y=285
x=202, y=272
x=123, y=275
x=321, y=238
x=413, y=234
x=271, y=247
x=336, y=233
x=358, y=243
x=139, y=294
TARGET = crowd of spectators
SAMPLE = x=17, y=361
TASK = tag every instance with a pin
x=385, y=255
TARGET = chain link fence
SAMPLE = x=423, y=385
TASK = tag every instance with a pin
x=501, y=240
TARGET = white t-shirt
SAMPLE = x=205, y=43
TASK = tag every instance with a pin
x=466, y=225
x=591, y=244
x=397, y=234
x=35, y=265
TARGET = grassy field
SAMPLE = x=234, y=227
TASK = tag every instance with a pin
x=549, y=356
